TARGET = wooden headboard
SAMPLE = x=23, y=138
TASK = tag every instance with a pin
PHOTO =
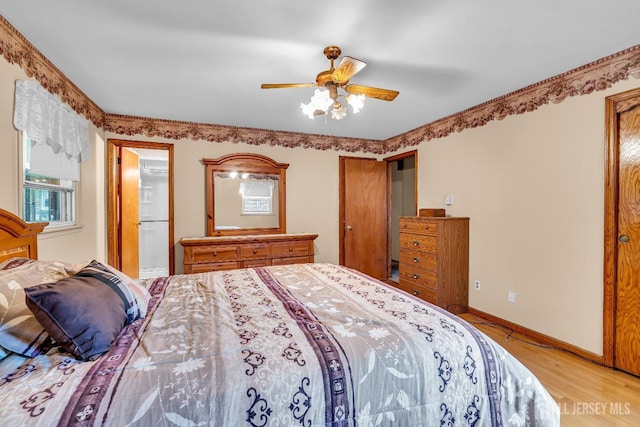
x=17, y=238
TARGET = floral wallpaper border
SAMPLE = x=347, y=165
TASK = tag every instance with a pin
x=595, y=76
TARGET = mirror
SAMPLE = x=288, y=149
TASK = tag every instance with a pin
x=245, y=195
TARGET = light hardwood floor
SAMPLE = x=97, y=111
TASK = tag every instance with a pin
x=589, y=395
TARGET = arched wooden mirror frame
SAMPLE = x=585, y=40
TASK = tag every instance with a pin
x=249, y=163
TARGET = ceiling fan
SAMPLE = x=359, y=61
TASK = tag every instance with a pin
x=333, y=79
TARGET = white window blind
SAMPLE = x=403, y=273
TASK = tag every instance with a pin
x=256, y=188
x=257, y=197
x=59, y=136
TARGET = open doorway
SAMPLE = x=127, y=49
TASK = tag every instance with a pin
x=403, y=201
x=153, y=212
x=140, y=208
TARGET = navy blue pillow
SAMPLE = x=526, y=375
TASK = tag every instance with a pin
x=84, y=313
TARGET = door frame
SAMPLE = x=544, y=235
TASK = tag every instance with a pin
x=113, y=223
x=614, y=104
x=396, y=157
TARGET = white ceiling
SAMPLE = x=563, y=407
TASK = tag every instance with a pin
x=204, y=61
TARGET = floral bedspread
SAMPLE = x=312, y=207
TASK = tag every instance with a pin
x=297, y=345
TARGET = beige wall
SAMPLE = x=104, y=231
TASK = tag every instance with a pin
x=533, y=186
x=76, y=245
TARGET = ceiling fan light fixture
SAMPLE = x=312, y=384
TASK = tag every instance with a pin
x=308, y=109
x=320, y=101
x=339, y=113
x=330, y=81
x=356, y=102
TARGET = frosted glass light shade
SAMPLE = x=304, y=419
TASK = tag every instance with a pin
x=339, y=113
x=356, y=102
x=320, y=101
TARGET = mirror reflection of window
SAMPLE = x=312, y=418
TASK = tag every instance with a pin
x=246, y=200
x=257, y=197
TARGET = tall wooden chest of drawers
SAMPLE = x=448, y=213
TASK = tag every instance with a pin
x=202, y=254
x=434, y=260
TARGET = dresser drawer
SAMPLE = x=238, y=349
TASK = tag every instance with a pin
x=289, y=249
x=256, y=262
x=419, y=226
x=216, y=266
x=291, y=260
x=212, y=253
x=260, y=250
x=428, y=295
x=418, y=276
x=424, y=260
x=416, y=242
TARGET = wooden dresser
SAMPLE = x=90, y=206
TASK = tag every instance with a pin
x=434, y=260
x=203, y=254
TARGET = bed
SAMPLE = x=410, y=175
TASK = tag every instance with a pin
x=295, y=345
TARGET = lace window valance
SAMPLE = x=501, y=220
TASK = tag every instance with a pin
x=47, y=120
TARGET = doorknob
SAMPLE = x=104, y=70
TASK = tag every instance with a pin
x=623, y=238
x=349, y=227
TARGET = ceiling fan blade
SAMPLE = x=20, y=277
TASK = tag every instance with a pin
x=347, y=68
x=285, y=85
x=372, y=92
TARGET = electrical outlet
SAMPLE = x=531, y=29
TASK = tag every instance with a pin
x=511, y=296
x=476, y=284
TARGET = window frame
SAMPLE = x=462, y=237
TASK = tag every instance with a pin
x=69, y=194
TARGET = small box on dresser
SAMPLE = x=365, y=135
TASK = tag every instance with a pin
x=434, y=260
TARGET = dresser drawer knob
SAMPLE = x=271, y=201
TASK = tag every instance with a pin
x=290, y=249
x=214, y=253
x=255, y=251
x=426, y=227
x=416, y=243
x=416, y=276
x=416, y=292
x=416, y=259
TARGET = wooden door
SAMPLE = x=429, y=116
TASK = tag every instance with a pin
x=627, y=312
x=364, y=215
x=129, y=212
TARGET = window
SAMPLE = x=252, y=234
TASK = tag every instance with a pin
x=256, y=205
x=46, y=198
x=257, y=197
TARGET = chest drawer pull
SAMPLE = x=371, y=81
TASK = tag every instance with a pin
x=416, y=259
x=416, y=292
x=416, y=243
x=416, y=276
